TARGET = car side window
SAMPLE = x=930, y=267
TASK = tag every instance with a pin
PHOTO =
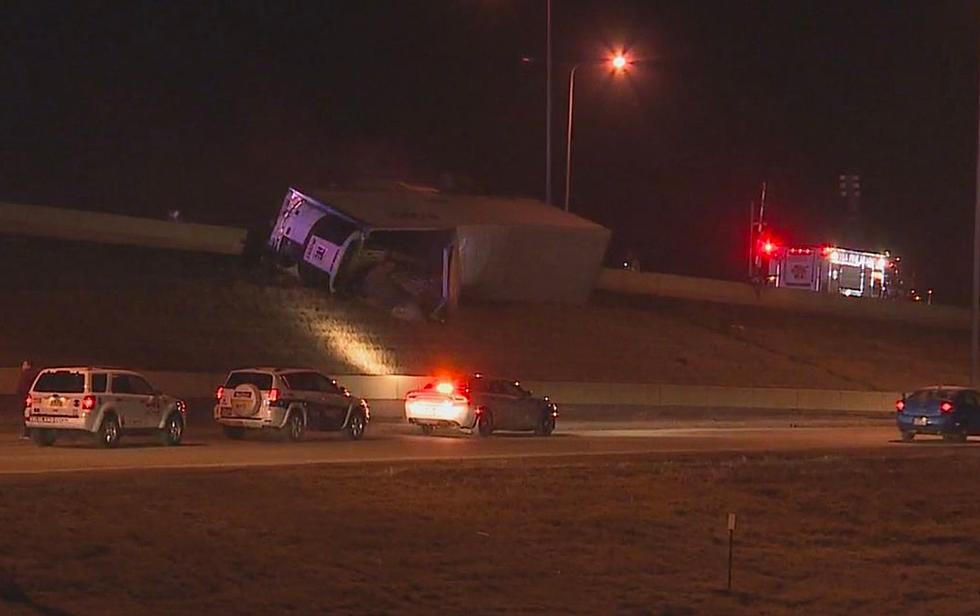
x=326, y=384
x=300, y=381
x=140, y=386
x=120, y=384
x=99, y=383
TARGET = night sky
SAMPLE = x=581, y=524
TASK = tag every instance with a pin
x=216, y=109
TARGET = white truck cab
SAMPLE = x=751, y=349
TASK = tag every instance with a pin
x=314, y=236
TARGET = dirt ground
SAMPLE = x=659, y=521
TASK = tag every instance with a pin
x=823, y=534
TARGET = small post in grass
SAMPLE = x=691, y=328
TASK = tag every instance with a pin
x=731, y=543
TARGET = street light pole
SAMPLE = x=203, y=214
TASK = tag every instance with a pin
x=568, y=135
x=975, y=334
x=547, y=120
x=619, y=62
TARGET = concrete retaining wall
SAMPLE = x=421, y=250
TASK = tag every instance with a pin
x=42, y=221
x=728, y=292
x=394, y=387
x=707, y=396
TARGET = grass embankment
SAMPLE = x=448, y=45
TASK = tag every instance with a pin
x=96, y=304
x=826, y=535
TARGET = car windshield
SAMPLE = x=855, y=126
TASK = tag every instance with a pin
x=261, y=380
x=61, y=381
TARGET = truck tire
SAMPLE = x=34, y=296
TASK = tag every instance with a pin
x=355, y=426
x=173, y=430
x=295, y=427
x=109, y=432
x=484, y=424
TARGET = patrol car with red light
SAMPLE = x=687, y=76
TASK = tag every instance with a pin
x=479, y=405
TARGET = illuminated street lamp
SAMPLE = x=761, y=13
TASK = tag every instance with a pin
x=619, y=62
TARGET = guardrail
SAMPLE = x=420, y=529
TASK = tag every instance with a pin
x=78, y=225
x=741, y=293
x=394, y=387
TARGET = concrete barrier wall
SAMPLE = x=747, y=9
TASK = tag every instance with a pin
x=42, y=221
x=707, y=396
x=740, y=293
x=394, y=387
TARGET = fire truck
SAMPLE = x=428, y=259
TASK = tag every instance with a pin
x=831, y=269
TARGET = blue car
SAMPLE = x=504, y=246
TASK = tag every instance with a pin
x=950, y=412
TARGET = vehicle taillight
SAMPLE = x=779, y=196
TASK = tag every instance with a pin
x=220, y=393
x=28, y=401
x=899, y=405
x=88, y=403
x=273, y=395
x=946, y=407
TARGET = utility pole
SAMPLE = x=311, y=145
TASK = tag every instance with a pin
x=975, y=334
x=762, y=206
x=547, y=121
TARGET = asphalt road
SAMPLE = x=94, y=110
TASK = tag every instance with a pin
x=207, y=448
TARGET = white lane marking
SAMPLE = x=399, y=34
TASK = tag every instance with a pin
x=458, y=455
x=707, y=432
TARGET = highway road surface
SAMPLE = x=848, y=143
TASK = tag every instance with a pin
x=205, y=447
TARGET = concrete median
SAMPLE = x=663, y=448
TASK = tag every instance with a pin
x=740, y=293
x=43, y=221
x=201, y=385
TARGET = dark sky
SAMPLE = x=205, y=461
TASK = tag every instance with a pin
x=216, y=109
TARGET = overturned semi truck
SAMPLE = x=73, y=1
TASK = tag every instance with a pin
x=402, y=268
x=409, y=245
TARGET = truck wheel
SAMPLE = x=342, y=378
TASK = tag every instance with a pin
x=355, y=427
x=173, y=430
x=295, y=427
x=42, y=437
x=109, y=433
x=484, y=424
x=546, y=425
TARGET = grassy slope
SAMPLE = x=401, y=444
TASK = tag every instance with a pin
x=633, y=535
x=82, y=304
